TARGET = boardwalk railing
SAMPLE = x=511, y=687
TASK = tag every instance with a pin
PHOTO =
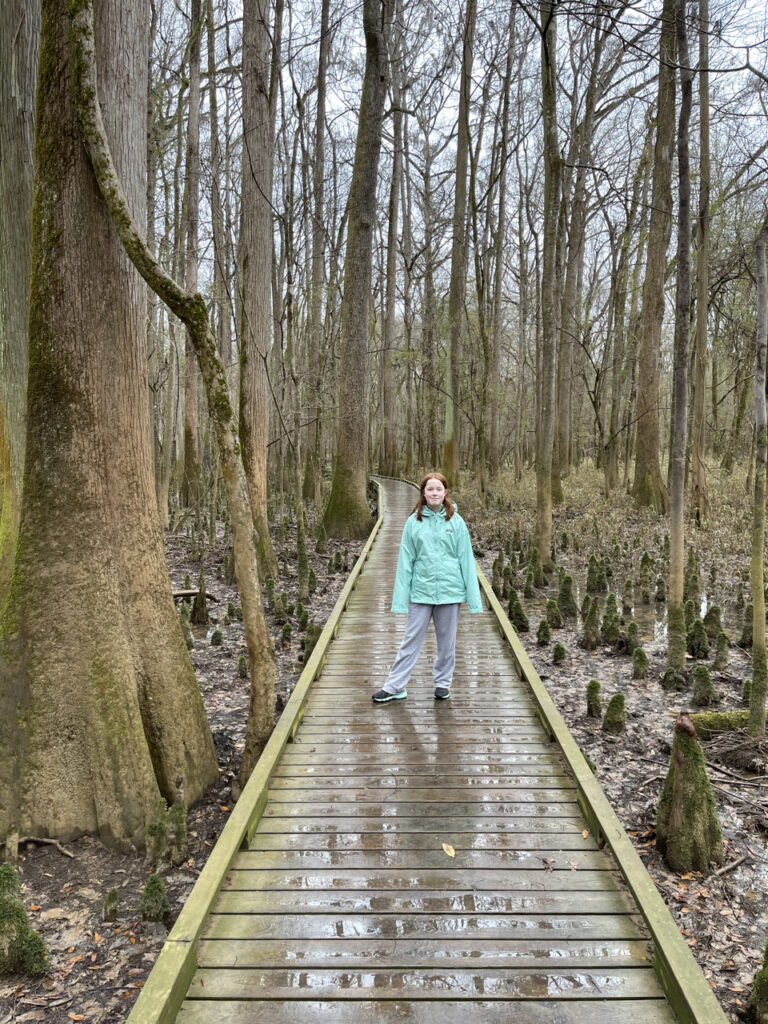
x=687, y=992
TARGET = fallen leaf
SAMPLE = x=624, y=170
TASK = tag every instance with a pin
x=33, y=907
x=223, y=807
x=76, y=1016
x=548, y=864
x=96, y=937
x=449, y=849
x=585, y=833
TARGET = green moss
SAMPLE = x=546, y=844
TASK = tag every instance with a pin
x=674, y=679
x=710, y=723
x=154, y=905
x=639, y=664
x=199, y=615
x=554, y=616
x=543, y=634
x=242, y=667
x=722, y=644
x=712, y=621
x=111, y=901
x=517, y=615
x=590, y=637
x=559, y=654
x=746, y=633
x=704, y=692
x=594, y=702
x=615, y=721
x=746, y=692
x=758, y=997
x=697, y=642
x=217, y=638
x=566, y=599
x=688, y=833
x=21, y=949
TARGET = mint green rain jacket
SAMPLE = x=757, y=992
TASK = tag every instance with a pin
x=436, y=564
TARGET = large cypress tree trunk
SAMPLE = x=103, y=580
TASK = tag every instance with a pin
x=649, y=487
x=99, y=708
x=18, y=77
x=256, y=270
x=347, y=513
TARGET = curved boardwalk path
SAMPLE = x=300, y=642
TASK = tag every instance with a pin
x=347, y=907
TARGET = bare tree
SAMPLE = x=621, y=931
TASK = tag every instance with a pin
x=347, y=513
x=676, y=644
x=648, y=487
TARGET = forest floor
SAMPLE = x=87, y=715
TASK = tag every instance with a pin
x=97, y=968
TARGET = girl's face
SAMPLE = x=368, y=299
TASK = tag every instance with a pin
x=434, y=493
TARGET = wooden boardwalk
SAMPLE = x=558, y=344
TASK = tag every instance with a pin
x=424, y=861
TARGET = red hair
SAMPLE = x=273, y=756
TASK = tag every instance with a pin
x=418, y=508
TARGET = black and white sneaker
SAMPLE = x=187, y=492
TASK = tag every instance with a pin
x=382, y=696
x=442, y=693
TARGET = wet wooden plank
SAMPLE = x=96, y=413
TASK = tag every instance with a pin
x=446, y=878
x=447, y=1011
x=430, y=902
x=274, y=822
x=496, y=927
x=426, y=983
x=407, y=954
x=419, y=841
x=420, y=809
x=405, y=794
x=424, y=859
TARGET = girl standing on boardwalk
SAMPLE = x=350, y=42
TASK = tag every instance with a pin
x=435, y=574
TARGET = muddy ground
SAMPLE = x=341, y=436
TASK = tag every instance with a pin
x=98, y=968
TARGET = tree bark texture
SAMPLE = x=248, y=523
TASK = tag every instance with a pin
x=193, y=465
x=458, y=283
x=676, y=617
x=545, y=427
x=256, y=253
x=649, y=488
x=347, y=514
x=101, y=713
x=19, y=43
x=192, y=311
x=756, y=723
x=699, y=490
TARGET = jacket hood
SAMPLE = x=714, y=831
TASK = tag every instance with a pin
x=427, y=511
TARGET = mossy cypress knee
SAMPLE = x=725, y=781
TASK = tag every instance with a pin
x=217, y=638
x=21, y=949
x=528, y=588
x=631, y=638
x=615, y=721
x=543, y=634
x=590, y=637
x=704, y=692
x=746, y=633
x=628, y=597
x=154, y=904
x=639, y=664
x=594, y=702
x=534, y=564
x=286, y=630
x=688, y=834
x=566, y=599
x=720, y=660
x=559, y=654
x=673, y=679
x=199, y=615
x=697, y=642
x=517, y=615
x=661, y=590
x=758, y=997
x=610, y=627
x=746, y=692
x=321, y=544
x=554, y=616
x=593, y=575
x=712, y=621
x=691, y=581
x=689, y=611
x=111, y=902
x=586, y=604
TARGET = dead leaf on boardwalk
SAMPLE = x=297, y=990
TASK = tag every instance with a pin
x=449, y=849
x=548, y=864
x=585, y=833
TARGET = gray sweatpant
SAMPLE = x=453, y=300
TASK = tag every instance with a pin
x=446, y=619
